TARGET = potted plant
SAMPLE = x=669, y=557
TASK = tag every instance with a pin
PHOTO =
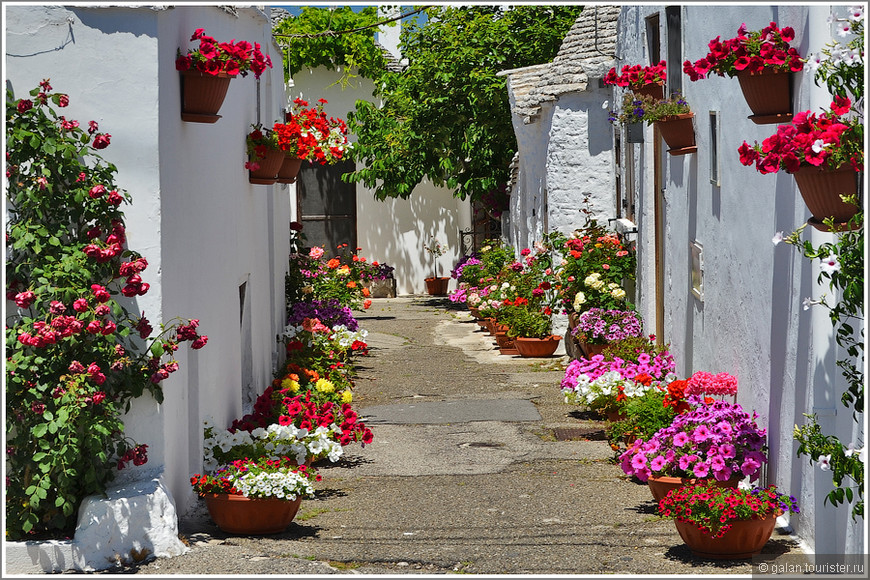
x=207, y=70
x=606, y=393
x=640, y=416
x=824, y=152
x=725, y=523
x=716, y=439
x=308, y=134
x=642, y=80
x=255, y=496
x=762, y=62
x=379, y=279
x=673, y=117
x=264, y=156
x=436, y=285
x=597, y=328
x=529, y=327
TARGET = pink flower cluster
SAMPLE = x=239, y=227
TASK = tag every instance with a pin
x=657, y=367
x=813, y=139
x=704, y=383
x=114, y=242
x=753, y=52
x=637, y=76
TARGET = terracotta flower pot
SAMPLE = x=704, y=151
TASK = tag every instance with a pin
x=768, y=94
x=678, y=131
x=659, y=486
x=268, y=171
x=537, y=347
x=236, y=514
x=745, y=539
x=437, y=286
x=475, y=312
x=593, y=349
x=654, y=90
x=202, y=95
x=821, y=190
x=289, y=169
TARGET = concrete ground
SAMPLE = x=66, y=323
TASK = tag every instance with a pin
x=466, y=474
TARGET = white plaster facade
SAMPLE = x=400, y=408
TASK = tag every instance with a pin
x=203, y=228
x=393, y=231
x=750, y=323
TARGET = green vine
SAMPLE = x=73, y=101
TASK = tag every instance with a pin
x=843, y=271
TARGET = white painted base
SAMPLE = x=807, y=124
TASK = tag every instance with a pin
x=137, y=521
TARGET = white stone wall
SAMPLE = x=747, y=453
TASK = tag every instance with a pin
x=202, y=227
x=751, y=323
x=393, y=231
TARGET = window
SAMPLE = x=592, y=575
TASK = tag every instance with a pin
x=653, y=39
x=714, y=148
x=327, y=205
x=673, y=16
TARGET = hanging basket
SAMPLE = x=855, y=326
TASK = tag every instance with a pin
x=768, y=94
x=289, y=169
x=268, y=171
x=821, y=190
x=654, y=90
x=202, y=95
x=678, y=131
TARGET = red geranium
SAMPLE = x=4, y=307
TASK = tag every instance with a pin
x=309, y=133
x=754, y=51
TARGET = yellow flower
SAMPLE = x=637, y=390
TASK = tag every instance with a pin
x=290, y=385
x=618, y=293
x=324, y=386
x=346, y=396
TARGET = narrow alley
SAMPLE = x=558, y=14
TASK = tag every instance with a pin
x=466, y=474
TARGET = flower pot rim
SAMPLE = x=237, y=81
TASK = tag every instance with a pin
x=220, y=75
x=677, y=117
x=767, y=70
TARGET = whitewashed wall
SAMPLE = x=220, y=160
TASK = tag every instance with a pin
x=393, y=231
x=751, y=323
x=202, y=227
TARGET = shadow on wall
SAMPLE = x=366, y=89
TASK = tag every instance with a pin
x=395, y=230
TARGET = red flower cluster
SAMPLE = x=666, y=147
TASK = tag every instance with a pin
x=309, y=134
x=138, y=455
x=754, y=52
x=232, y=58
x=820, y=140
x=637, y=76
x=676, y=397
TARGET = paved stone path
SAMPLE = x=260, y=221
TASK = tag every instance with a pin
x=464, y=475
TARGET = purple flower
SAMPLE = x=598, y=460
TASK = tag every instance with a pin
x=658, y=463
x=701, y=469
x=680, y=439
x=638, y=461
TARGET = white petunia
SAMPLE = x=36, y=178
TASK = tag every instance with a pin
x=777, y=238
x=825, y=462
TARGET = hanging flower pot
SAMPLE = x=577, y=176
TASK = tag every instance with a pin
x=202, y=95
x=678, y=131
x=267, y=172
x=656, y=91
x=768, y=94
x=821, y=190
x=289, y=169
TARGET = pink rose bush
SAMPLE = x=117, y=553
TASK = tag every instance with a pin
x=716, y=439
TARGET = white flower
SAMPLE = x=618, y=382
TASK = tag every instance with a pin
x=605, y=104
x=777, y=238
x=818, y=145
x=825, y=462
x=844, y=29
x=744, y=485
x=814, y=61
x=856, y=13
x=830, y=264
x=809, y=302
x=861, y=452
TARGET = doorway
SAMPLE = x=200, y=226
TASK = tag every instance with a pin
x=326, y=206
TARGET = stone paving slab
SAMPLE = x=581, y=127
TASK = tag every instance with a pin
x=441, y=412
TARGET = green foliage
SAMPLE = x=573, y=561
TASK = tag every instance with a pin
x=76, y=356
x=846, y=281
x=305, y=45
x=843, y=463
x=644, y=415
x=446, y=116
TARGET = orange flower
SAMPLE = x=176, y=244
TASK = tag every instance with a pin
x=333, y=263
x=351, y=284
x=365, y=292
